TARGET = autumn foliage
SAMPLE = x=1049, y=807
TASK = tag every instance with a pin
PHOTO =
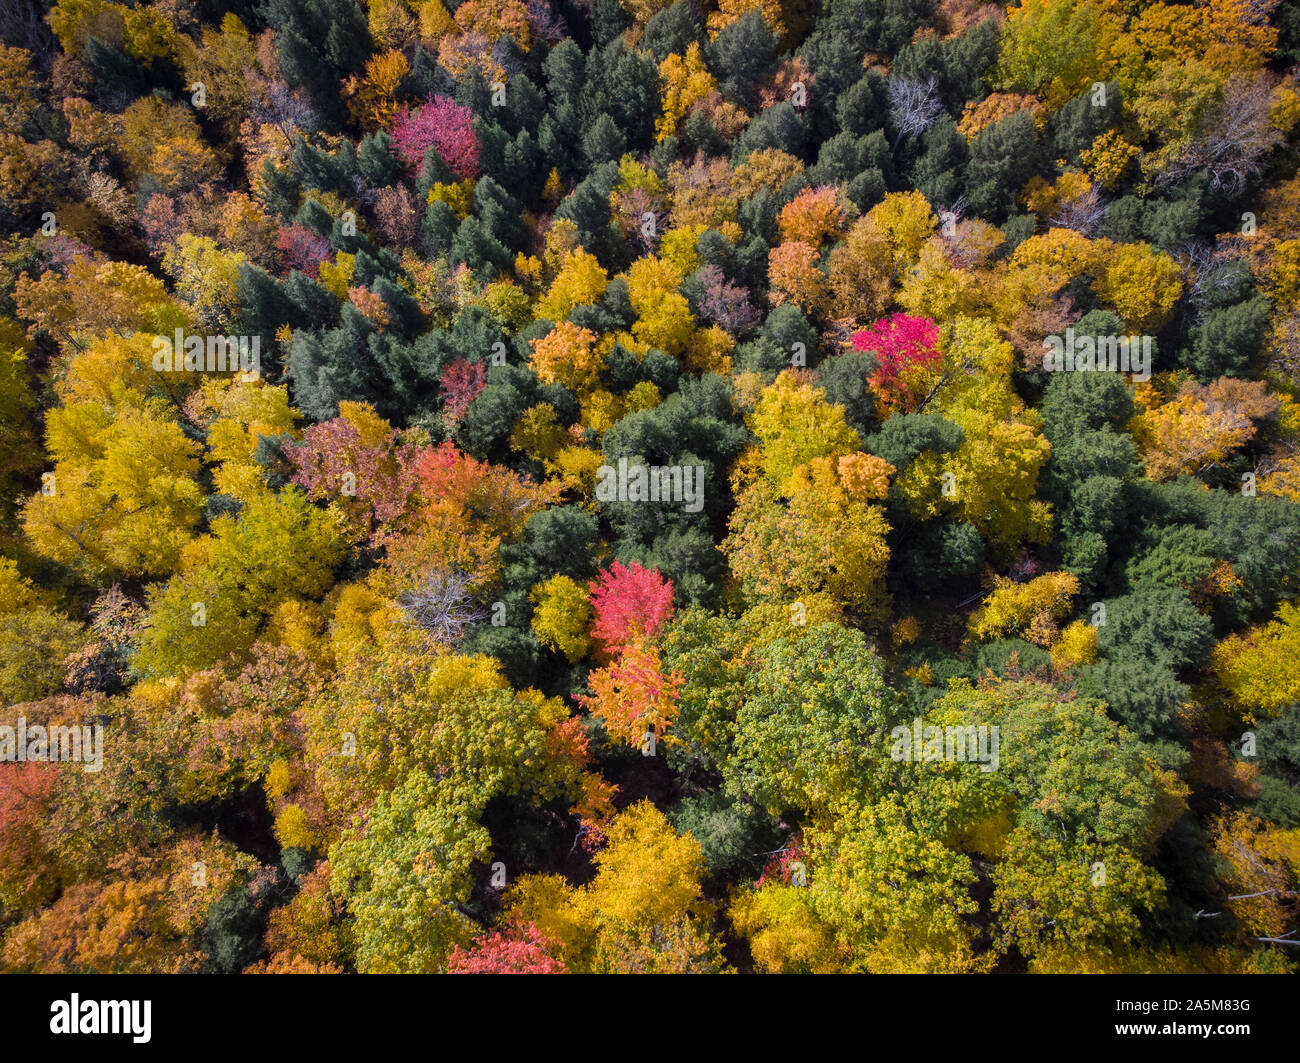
x=519, y=485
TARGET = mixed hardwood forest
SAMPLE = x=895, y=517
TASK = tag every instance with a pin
x=387, y=683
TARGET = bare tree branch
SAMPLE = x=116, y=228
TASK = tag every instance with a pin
x=441, y=604
x=914, y=106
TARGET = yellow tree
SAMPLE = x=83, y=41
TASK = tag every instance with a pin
x=664, y=318
x=1140, y=284
x=794, y=277
x=1200, y=426
x=206, y=276
x=220, y=62
x=19, y=100
x=37, y=640
x=794, y=424
x=643, y=912
x=1263, y=871
x=562, y=615
x=280, y=548
x=785, y=18
x=372, y=100
x=94, y=297
x=1261, y=667
x=165, y=141
x=990, y=481
x=785, y=934
x=581, y=280
x=824, y=536
x=1033, y=607
x=896, y=894
x=122, y=498
x=237, y=414
x=686, y=81
x=567, y=355
x=1055, y=48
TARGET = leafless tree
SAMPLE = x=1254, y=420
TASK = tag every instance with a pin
x=507, y=56
x=546, y=24
x=1082, y=213
x=726, y=303
x=363, y=192
x=285, y=108
x=396, y=216
x=1232, y=139
x=1259, y=12
x=22, y=25
x=960, y=240
x=1211, y=270
x=441, y=604
x=914, y=105
x=1284, y=354
x=100, y=665
x=633, y=205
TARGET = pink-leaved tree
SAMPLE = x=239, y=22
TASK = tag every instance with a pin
x=440, y=123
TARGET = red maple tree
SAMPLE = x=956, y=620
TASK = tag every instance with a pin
x=440, y=123
x=461, y=383
x=629, y=604
x=902, y=345
x=517, y=951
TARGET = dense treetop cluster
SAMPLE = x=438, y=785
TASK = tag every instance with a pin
x=396, y=666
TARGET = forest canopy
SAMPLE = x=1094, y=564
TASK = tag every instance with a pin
x=615, y=486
